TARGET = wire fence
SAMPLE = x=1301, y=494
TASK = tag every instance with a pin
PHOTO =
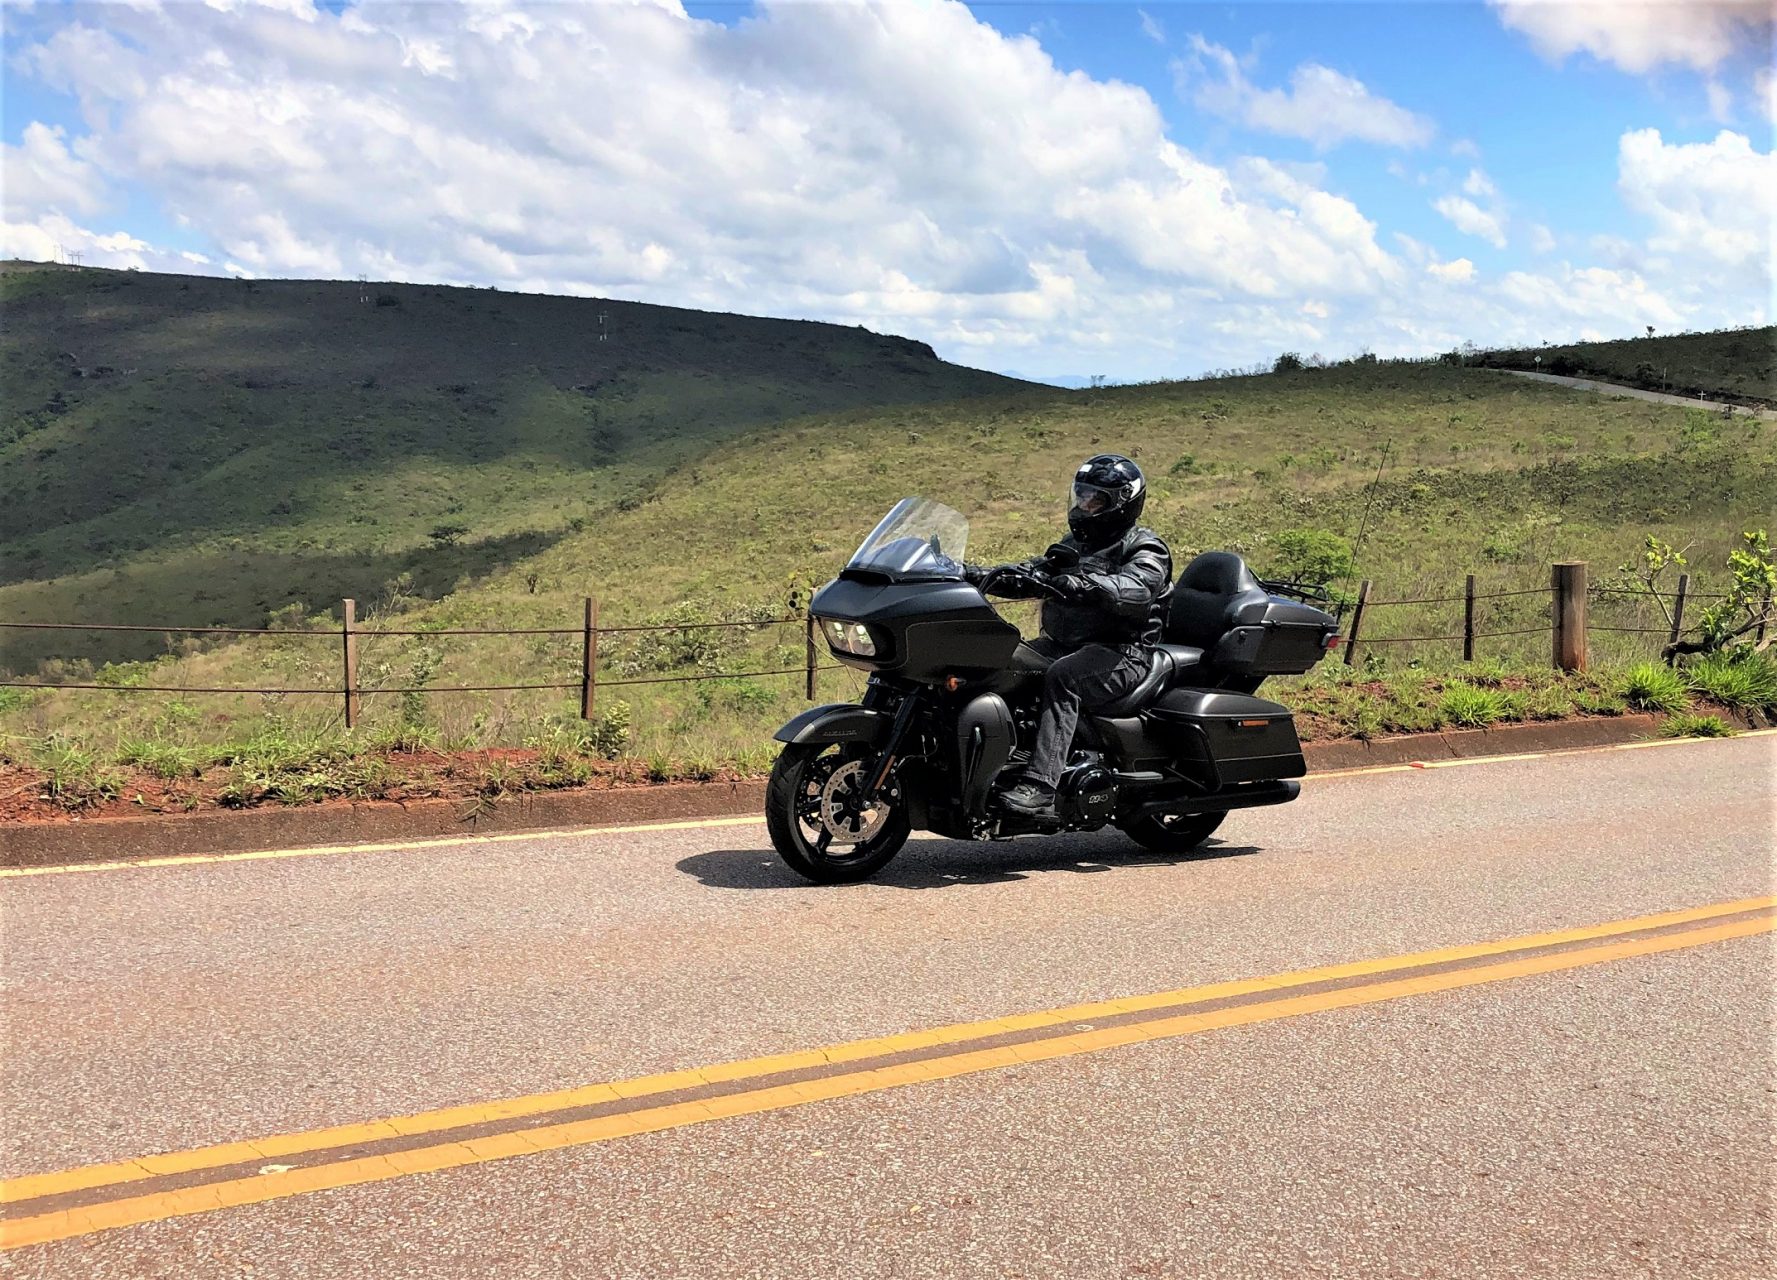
x=1563, y=616
x=352, y=690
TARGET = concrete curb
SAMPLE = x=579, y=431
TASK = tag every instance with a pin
x=244, y=831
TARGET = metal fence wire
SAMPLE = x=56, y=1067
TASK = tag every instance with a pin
x=1566, y=621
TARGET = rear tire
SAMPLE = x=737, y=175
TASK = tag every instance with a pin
x=792, y=816
x=1172, y=833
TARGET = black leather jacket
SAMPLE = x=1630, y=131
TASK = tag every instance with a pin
x=1133, y=577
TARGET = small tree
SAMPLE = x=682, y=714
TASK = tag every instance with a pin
x=1744, y=611
x=1312, y=555
x=1288, y=362
x=447, y=535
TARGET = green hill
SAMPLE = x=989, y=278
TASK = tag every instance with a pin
x=203, y=450
x=1738, y=365
x=230, y=452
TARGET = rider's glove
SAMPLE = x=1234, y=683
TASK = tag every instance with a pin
x=1076, y=588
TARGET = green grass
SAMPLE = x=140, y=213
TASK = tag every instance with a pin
x=1689, y=725
x=1742, y=680
x=1653, y=686
x=1470, y=707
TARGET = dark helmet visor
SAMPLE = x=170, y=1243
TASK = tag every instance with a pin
x=1095, y=500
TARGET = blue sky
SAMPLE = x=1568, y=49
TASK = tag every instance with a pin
x=1055, y=189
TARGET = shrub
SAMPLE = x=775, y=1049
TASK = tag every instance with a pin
x=612, y=731
x=1695, y=726
x=1311, y=555
x=1464, y=704
x=1735, y=678
x=1653, y=686
x=1288, y=362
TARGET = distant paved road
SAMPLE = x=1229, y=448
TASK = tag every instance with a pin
x=1599, y=1104
x=1658, y=397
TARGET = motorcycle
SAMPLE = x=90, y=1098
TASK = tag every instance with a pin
x=950, y=708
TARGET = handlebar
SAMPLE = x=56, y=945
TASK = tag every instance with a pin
x=995, y=576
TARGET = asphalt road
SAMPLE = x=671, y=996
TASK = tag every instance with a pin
x=1637, y=393
x=1608, y=1115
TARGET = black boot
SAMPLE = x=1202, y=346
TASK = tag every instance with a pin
x=1031, y=800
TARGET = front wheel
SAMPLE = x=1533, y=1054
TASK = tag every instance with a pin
x=818, y=825
x=1172, y=833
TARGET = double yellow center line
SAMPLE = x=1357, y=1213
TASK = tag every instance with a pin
x=55, y=1206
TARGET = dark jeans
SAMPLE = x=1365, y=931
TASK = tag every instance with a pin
x=1084, y=680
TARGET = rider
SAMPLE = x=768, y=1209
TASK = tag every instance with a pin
x=1098, y=618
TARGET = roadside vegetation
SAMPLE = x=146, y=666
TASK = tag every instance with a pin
x=724, y=498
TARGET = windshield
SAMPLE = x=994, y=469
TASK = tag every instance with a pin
x=918, y=539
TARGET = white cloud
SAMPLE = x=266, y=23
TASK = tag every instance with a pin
x=1456, y=271
x=1150, y=27
x=1716, y=199
x=1542, y=240
x=1479, y=184
x=1721, y=102
x=1321, y=105
x=1764, y=87
x=1641, y=35
x=901, y=166
x=1470, y=219
x=41, y=174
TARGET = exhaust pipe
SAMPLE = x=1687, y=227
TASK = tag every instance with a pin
x=1251, y=795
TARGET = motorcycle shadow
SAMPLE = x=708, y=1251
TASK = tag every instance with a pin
x=941, y=864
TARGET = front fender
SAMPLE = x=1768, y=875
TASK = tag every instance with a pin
x=837, y=722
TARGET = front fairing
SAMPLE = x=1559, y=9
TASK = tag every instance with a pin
x=923, y=629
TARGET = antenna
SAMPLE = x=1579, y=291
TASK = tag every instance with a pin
x=363, y=287
x=1363, y=527
x=604, y=332
x=75, y=255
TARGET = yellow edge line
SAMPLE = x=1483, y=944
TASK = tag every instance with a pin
x=154, y=1207
x=697, y=824
x=31, y=1186
x=390, y=846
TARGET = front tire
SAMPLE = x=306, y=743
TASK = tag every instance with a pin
x=803, y=804
x=1172, y=833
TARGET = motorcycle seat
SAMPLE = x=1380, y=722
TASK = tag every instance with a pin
x=1166, y=664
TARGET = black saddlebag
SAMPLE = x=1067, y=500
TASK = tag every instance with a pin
x=1229, y=737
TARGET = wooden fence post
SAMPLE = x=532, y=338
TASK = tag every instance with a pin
x=348, y=633
x=1684, y=587
x=811, y=655
x=1468, y=619
x=1357, y=618
x=1568, y=583
x=589, y=658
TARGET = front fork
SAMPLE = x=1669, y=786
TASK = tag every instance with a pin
x=891, y=749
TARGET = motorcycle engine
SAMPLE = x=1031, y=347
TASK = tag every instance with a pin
x=1087, y=795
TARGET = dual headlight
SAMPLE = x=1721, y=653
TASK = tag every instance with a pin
x=853, y=638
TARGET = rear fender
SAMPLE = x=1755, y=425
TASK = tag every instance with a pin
x=837, y=722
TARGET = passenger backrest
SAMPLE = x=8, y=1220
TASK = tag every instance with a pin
x=1206, y=596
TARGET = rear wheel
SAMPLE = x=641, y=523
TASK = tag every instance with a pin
x=1172, y=833
x=818, y=825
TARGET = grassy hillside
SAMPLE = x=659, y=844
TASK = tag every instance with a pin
x=1477, y=474
x=204, y=450
x=1738, y=365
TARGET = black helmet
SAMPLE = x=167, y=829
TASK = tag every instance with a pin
x=1107, y=499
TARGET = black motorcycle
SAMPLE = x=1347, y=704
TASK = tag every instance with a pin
x=951, y=707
